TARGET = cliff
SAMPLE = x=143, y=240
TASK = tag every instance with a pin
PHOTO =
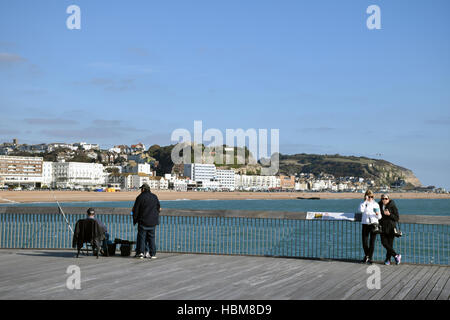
x=382, y=171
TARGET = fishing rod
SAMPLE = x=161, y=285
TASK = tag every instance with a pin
x=60, y=211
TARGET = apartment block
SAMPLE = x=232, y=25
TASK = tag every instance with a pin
x=21, y=170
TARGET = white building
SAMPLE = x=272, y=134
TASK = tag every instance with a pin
x=137, y=180
x=226, y=179
x=200, y=171
x=180, y=185
x=78, y=175
x=47, y=174
x=86, y=146
x=208, y=184
x=253, y=182
x=301, y=186
x=52, y=146
x=159, y=183
x=115, y=150
x=139, y=168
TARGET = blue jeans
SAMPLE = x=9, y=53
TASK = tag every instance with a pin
x=146, y=240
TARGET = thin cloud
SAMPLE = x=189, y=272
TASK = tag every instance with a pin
x=121, y=68
x=101, y=81
x=109, y=84
x=318, y=129
x=10, y=59
x=100, y=129
x=8, y=131
x=442, y=121
x=107, y=123
x=50, y=122
x=140, y=52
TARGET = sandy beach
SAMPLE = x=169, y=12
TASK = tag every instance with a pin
x=73, y=196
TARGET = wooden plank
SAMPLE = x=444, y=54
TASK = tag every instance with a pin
x=353, y=283
x=42, y=275
x=360, y=291
x=430, y=284
x=311, y=280
x=445, y=293
x=386, y=283
x=402, y=281
x=404, y=290
x=419, y=285
x=339, y=271
x=440, y=284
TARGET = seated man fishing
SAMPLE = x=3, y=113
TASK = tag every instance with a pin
x=91, y=215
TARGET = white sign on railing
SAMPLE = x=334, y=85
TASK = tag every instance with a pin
x=330, y=216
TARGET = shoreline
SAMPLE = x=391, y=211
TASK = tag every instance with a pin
x=10, y=197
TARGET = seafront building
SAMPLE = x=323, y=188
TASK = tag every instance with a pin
x=21, y=171
x=208, y=177
x=138, y=168
x=200, y=171
x=256, y=182
x=226, y=179
x=77, y=175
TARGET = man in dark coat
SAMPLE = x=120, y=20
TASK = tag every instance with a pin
x=91, y=215
x=146, y=214
x=388, y=222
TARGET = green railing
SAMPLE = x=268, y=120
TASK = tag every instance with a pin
x=234, y=233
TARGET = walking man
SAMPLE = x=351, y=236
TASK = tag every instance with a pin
x=146, y=214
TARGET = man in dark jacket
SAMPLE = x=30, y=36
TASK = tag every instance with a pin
x=91, y=215
x=388, y=221
x=146, y=214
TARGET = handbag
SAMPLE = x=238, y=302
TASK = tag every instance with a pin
x=376, y=228
x=397, y=232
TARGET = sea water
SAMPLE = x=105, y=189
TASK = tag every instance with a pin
x=432, y=207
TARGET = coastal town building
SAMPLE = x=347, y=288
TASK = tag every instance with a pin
x=181, y=185
x=138, y=168
x=256, y=182
x=78, y=175
x=226, y=179
x=47, y=174
x=86, y=146
x=53, y=146
x=287, y=182
x=21, y=171
x=200, y=171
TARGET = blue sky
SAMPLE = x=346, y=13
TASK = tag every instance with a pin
x=138, y=70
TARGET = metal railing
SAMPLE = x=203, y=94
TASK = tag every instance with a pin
x=234, y=233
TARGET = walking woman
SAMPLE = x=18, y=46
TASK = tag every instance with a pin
x=370, y=215
x=388, y=222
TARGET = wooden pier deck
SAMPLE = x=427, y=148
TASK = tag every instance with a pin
x=41, y=274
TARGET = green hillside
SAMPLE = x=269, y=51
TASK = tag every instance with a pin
x=346, y=166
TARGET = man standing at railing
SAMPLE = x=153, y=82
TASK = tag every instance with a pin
x=146, y=214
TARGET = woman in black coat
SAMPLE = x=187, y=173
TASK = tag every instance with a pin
x=388, y=222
